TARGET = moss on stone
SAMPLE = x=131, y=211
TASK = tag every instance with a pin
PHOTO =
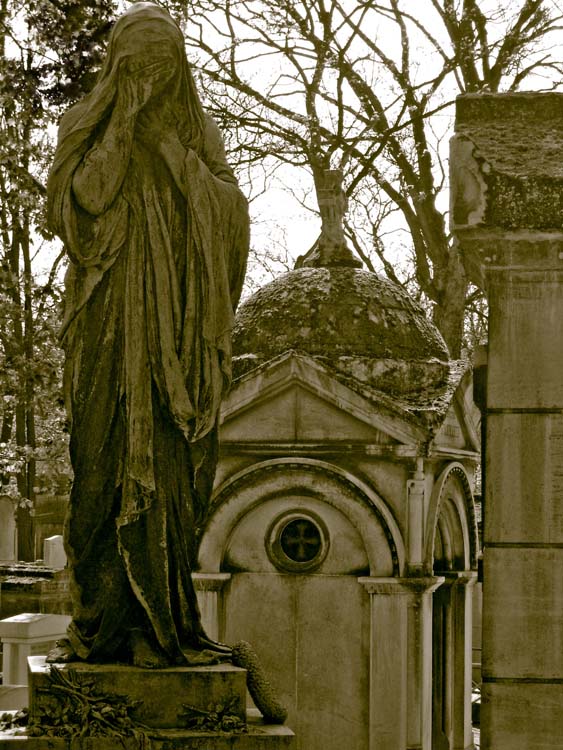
x=334, y=313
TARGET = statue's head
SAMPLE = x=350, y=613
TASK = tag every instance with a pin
x=145, y=25
x=147, y=10
x=146, y=42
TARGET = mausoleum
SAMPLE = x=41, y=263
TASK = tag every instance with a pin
x=342, y=541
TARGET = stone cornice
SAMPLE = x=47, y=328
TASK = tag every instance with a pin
x=210, y=581
x=401, y=586
x=507, y=182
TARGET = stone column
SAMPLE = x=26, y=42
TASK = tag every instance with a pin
x=416, y=513
x=401, y=662
x=507, y=209
x=462, y=627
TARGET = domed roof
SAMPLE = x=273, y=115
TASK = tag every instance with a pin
x=335, y=312
x=363, y=325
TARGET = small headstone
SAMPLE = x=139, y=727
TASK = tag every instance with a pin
x=7, y=530
x=54, y=553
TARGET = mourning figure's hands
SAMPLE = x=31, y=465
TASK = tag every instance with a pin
x=140, y=80
x=156, y=127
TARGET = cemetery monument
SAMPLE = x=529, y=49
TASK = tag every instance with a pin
x=156, y=230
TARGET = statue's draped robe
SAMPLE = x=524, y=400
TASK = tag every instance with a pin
x=151, y=290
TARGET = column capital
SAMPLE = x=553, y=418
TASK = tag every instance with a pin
x=210, y=581
x=401, y=586
x=459, y=577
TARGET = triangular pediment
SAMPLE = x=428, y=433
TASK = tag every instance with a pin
x=295, y=400
x=460, y=427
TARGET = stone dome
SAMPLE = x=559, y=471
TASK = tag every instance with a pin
x=349, y=319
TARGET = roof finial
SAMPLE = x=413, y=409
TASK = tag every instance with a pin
x=331, y=248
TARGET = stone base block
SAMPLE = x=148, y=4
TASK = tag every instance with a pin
x=162, y=693
x=521, y=715
x=260, y=736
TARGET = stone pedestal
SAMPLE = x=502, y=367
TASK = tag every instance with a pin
x=13, y=697
x=507, y=198
x=158, y=705
x=161, y=694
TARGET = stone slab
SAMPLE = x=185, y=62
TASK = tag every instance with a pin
x=260, y=736
x=524, y=339
x=32, y=625
x=162, y=692
x=324, y=688
x=521, y=716
x=524, y=464
x=523, y=613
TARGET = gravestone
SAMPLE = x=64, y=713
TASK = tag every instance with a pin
x=54, y=555
x=8, y=533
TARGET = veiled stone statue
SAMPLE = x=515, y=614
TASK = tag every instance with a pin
x=156, y=230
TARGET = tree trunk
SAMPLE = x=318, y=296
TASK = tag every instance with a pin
x=25, y=422
x=29, y=390
x=449, y=311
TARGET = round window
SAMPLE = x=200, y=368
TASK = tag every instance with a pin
x=297, y=542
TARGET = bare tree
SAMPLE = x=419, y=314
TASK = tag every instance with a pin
x=48, y=55
x=367, y=87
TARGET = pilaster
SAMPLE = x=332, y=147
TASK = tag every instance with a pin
x=462, y=622
x=210, y=589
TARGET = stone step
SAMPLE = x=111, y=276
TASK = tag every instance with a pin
x=259, y=736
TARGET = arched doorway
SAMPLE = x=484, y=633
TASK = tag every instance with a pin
x=454, y=553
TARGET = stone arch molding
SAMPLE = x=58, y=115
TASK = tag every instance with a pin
x=465, y=512
x=238, y=495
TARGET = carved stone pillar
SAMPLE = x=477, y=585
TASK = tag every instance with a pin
x=401, y=662
x=507, y=209
x=462, y=622
x=416, y=487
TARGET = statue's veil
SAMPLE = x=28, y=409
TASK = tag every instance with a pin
x=143, y=25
